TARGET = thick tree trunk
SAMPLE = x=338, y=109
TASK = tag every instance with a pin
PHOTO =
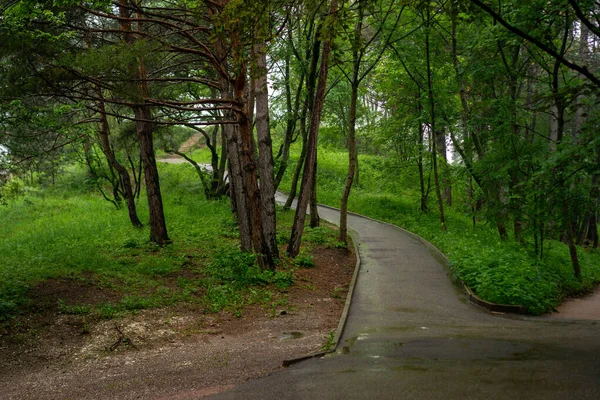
x=158, y=226
x=237, y=187
x=247, y=148
x=311, y=155
x=265, y=159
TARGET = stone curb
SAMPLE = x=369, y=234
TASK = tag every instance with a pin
x=342, y=323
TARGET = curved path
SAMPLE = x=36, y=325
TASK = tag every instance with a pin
x=586, y=307
x=411, y=334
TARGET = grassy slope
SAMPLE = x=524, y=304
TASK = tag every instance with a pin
x=64, y=233
x=501, y=272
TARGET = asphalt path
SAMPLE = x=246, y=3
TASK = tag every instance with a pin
x=412, y=334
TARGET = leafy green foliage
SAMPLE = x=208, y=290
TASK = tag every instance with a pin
x=305, y=260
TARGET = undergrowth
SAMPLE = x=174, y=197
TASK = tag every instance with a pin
x=69, y=232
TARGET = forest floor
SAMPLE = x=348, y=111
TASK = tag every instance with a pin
x=176, y=352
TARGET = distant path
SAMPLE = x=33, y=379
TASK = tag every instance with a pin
x=587, y=307
x=411, y=334
x=189, y=144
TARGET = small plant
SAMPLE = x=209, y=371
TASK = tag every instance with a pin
x=282, y=238
x=107, y=311
x=79, y=309
x=85, y=327
x=338, y=292
x=304, y=260
x=329, y=342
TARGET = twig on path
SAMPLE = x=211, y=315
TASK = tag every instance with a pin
x=121, y=340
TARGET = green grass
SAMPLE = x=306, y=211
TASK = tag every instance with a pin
x=70, y=232
x=501, y=272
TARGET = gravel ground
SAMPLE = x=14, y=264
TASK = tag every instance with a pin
x=173, y=353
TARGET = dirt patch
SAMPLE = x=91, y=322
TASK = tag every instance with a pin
x=175, y=353
x=586, y=307
x=52, y=293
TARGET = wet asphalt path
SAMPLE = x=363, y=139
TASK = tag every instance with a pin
x=411, y=334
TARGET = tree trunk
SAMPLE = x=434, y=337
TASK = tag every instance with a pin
x=570, y=239
x=298, y=169
x=103, y=133
x=291, y=118
x=432, y=128
x=442, y=150
x=158, y=226
x=580, y=113
x=352, y=161
x=424, y=194
x=352, y=152
x=264, y=257
x=144, y=130
x=312, y=58
x=315, y=219
x=223, y=162
x=265, y=159
x=237, y=187
x=311, y=154
x=557, y=129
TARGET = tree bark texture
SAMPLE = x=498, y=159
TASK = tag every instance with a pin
x=247, y=148
x=265, y=148
x=237, y=187
x=158, y=226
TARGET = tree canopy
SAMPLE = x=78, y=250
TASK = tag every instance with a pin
x=494, y=104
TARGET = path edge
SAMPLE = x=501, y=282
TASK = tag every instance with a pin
x=473, y=298
x=342, y=322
